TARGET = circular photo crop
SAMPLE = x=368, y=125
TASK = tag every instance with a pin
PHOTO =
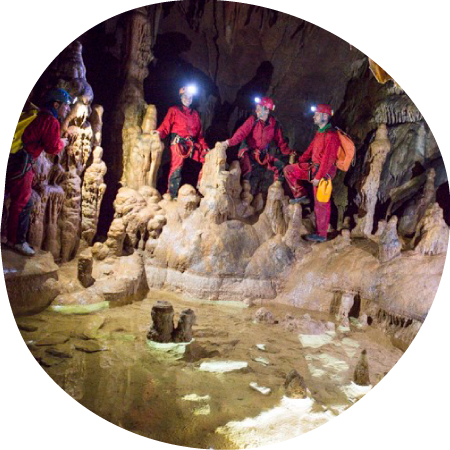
x=222, y=225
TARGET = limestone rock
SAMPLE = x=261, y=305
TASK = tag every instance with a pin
x=263, y=315
x=306, y=325
x=89, y=346
x=413, y=214
x=84, y=297
x=389, y=244
x=30, y=282
x=52, y=339
x=432, y=232
x=100, y=251
x=295, y=385
x=62, y=351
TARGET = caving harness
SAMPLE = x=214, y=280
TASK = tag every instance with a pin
x=261, y=156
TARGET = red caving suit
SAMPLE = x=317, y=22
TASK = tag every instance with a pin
x=254, y=153
x=316, y=162
x=186, y=140
x=43, y=134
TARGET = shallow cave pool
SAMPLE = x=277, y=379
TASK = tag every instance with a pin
x=225, y=388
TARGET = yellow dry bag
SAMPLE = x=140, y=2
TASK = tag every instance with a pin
x=324, y=190
x=26, y=117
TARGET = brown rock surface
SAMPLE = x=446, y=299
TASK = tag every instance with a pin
x=29, y=281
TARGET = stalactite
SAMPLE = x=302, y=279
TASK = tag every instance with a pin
x=397, y=109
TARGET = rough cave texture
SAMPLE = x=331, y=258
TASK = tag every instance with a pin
x=391, y=210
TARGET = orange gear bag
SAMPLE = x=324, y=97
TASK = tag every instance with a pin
x=346, y=151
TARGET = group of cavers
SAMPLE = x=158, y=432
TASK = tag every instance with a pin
x=262, y=150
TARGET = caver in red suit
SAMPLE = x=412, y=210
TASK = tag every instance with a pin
x=43, y=134
x=256, y=136
x=183, y=125
x=317, y=162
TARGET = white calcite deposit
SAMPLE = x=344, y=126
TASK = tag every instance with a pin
x=222, y=366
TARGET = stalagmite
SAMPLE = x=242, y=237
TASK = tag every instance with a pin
x=183, y=332
x=345, y=305
x=96, y=120
x=378, y=152
x=361, y=376
x=389, y=246
x=295, y=385
x=92, y=195
x=36, y=230
x=381, y=227
x=217, y=204
x=343, y=240
x=296, y=229
x=142, y=149
x=52, y=239
x=131, y=104
x=276, y=209
x=162, y=326
x=116, y=236
x=188, y=201
x=84, y=269
x=69, y=221
x=432, y=232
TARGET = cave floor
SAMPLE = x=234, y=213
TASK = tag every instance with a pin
x=104, y=361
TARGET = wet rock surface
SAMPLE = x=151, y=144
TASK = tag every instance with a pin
x=30, y=282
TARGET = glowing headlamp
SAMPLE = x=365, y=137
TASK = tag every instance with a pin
x=191, y=89
x=257, y=100
x=313, y=108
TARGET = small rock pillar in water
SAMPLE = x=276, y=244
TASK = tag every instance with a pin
x=85, y=265
x=162, y=327
x=361, y=375
x=183, y=332
x=295, y=385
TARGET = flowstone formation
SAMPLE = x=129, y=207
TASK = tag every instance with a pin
x=204, y=249
x=142, y=150
x=378, y=152
x=94, y=187
x=138, y=217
